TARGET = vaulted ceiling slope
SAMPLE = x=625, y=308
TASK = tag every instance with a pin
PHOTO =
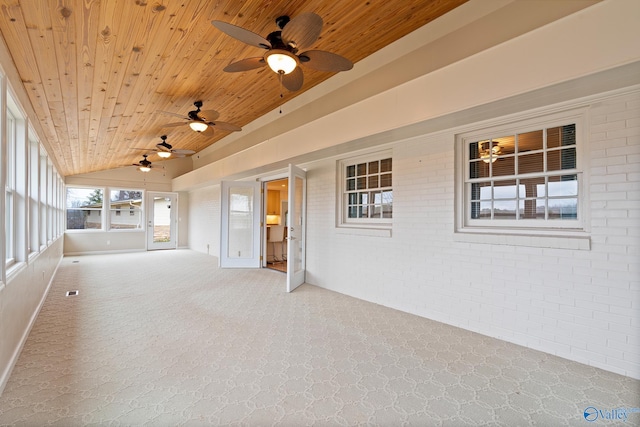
x=101, y=75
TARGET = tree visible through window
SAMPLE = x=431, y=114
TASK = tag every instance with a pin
x=81, y=204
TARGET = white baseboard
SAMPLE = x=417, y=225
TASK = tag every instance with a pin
x=123, y=251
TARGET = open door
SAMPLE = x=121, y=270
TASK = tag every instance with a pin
x=161, y=220
x=240, y=228
x=296, y=228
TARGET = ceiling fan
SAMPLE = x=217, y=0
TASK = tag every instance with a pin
x=202, y=121
x=282, y=49
x=166, y=150
x=144, y=165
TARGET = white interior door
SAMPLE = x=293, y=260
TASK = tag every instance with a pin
x=296, y=228
x=161, y=221
x=240, y=228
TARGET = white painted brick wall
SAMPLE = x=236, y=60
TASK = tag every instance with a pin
x=583, y=305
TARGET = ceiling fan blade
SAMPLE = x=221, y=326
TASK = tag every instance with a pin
x=325, y=61
x=245, y=65
x=303, y=30
x=293, y=81
x=226, y=126
x=208, y=115
x=183, y=152
x=175, y=124
x=172, y=114
x=245, y=36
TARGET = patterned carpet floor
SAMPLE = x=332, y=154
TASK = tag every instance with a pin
x=166, y=338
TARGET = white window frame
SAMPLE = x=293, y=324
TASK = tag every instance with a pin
x=541, y=227
x=43, y=197
x=10, y=191
x=34, y=196
x=343, y=192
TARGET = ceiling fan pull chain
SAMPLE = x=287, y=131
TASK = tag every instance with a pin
x=280, y=74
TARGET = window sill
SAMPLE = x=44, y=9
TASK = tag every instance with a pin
x=362, y=231
x=560, y=240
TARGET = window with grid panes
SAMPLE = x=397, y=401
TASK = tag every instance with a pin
x=367, y=190
x=527, y=178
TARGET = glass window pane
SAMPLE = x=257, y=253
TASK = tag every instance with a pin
x=369, y=175
x=387, y=211
x=485, y=210
x=503, y=166
x=563, y=208
x=484, y=191
x=478, y=169
x=351, y=171
x=565, y=185
x=505, y=189
x=530, y=163
x=474, y=152
x=561, y=136
x=387, y=197
x=504, y=209
x=561, y=159
x=531, y=187
x=530, y=209
x=374, y=167
x=506, y=145
x=80, y=203
x=530, y=141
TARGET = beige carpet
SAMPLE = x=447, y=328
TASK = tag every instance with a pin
x=165, y=338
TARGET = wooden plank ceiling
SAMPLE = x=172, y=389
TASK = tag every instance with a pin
x=100, y=72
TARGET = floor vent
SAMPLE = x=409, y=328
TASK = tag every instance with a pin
x=75, y=262
x=72, y=293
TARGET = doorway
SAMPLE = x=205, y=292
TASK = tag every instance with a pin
x=161, y=221
x=275, y=234
x=245, y=232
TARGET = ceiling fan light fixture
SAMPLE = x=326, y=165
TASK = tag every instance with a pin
x=489, y=151
x=144, y=169
x=164, y=154
x=281, y=61
x=198, y=126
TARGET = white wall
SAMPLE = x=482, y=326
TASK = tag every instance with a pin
x=583, y=305
x=204, y=220
x=102, y=241
x=20, y=301
x=579, y=304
